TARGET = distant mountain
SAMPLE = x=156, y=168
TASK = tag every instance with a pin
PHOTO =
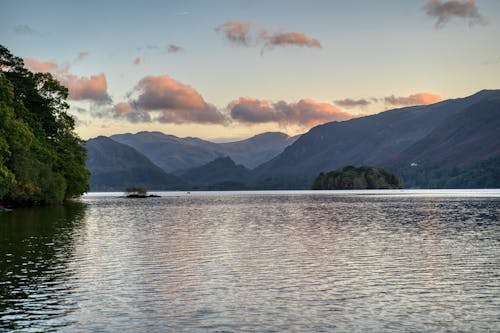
x=169, y=152
x=258, y=149
x=174, y=154
x=219, y=171
x=115, y=166
x=451, y=134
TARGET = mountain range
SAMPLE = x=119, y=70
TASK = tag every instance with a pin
x=453, y=143
x=174, y=154
x=115, y=166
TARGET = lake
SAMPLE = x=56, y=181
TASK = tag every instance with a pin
x=288, y=261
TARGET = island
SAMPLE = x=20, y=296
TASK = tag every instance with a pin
x=352, y=178
x=139, y=192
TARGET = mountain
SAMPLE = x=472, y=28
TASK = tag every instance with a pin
x=451, y=134
x=115, y=166
x=219, y=171
x=169, y=152
x=258, y=149
x=461, y=140
x=174, y=154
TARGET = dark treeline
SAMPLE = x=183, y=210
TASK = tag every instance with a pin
x=352, y=178
x=42, y=160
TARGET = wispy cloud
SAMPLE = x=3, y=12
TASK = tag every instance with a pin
x=165, y=100
x=93, y=88
x=352, y=103
x=415, y=99
x=82, y=55
x=249, y=34
x=24, y=29
x=172, y=48
x=237, y=33
x=444, y=11
x=289, y=39
x=305, y=113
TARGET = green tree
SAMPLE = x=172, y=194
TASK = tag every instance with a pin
x=42, y=159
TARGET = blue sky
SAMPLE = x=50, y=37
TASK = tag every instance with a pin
x=369, y=51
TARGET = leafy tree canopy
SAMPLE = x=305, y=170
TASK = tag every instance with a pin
x=42, y=160
x=352, y=178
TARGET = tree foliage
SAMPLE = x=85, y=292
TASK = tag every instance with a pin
x=352, y=178
x=42, y=160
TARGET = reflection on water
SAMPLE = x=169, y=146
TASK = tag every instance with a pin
x=266, y=263
x=36, y=247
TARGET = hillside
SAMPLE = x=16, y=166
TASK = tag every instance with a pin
x=258, y=149
x=452, y=134
x=174, y=154
x=115, y=166
x=169, y=152
x=220, y=170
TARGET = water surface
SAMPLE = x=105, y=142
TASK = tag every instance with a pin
x=255, y=262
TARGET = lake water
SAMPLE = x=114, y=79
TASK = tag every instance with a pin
x=359, y=261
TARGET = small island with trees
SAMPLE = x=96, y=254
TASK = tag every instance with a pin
x=352, y=178
x=138, y=192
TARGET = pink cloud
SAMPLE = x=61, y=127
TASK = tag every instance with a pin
x=415, y=99
x=81, y=88
x=290, y=38
x=93, y=88
x=40, y=66
x=236, y=32
x=165, y=100
x=305, y=113
x=249, y=34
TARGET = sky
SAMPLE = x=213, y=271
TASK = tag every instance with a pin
x=225, y=70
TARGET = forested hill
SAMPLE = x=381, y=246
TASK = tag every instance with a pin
x=42, y=160
x=426, y=145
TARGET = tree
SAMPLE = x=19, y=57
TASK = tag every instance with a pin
x=42, y=159
x=352, y=178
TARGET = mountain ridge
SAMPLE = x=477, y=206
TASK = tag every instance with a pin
x=174, y=154
x=370, y=140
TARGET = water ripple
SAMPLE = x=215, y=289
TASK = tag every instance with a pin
x=266, y=263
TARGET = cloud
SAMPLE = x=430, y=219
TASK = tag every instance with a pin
x=124, y=110
x=40, y=66
x=82, y=55
x=444, y=11
x=248, y=34
x=290, y=38
x=352, y=103
x=165, y=100
x=172, y=48
x=24, y=29
x=93, y=88
x=305, y=113
x=137, y=61
x=416, y=99
x=236, y=32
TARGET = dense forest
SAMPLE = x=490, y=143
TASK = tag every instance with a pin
x=352, y=178
x=42, y=160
